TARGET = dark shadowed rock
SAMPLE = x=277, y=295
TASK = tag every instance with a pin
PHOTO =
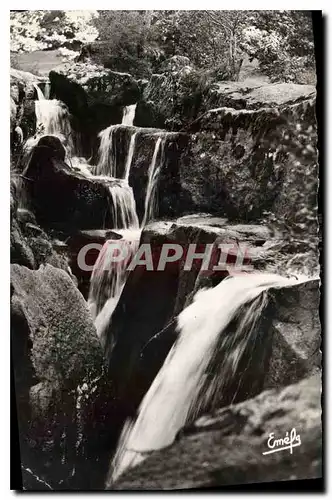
x=225, y=447
x=59, y=379
x=296, y=334
x=62, y=198
x=23, y=94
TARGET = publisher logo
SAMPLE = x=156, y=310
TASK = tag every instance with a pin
x=290, y=441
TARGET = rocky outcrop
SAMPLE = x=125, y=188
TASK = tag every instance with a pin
x=178, y=95
x=296, y=334
x=61, y=197
x=95, y=97
x=102, y=85
x=22, y=109
x=61, y=391
x=242, y=95
x=227, y=446
x=240, y=162
x=30, y=246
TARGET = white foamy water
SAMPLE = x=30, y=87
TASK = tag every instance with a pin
x=123, y=207
x=40, y=94
x=53, y=118
x=107, y=281
x=130, y=156
x=153, y=174
x=129, y=115
x=173, y=395
x=107, y=152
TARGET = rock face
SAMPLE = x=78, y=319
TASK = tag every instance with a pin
x=239, y=161
x=59, y=379
x=62, y=198
x=30, y=246
x=296, y=337
x=225, y=448
x=238, y=164
x=22, y=110
x=178, y=95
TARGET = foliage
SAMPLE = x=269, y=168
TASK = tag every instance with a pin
x=282, y=41
x=50, y=29
x=297, y=209
x=139, y=41
x=126, y=33
x=208, y=38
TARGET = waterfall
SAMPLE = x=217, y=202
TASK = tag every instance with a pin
x=153, y=174
x=107, y=281
x=130, y=156
x=53, y=118
x=176, y=394
x=124, y=207
x=129, y=115
x=107, y=152
x=40, y=94
x=47, y=90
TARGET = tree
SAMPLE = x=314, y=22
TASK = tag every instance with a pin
x=209, y=38
x=50, y=29
x=282, y=42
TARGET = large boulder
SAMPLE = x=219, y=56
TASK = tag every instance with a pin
x=241, y=162
x=95, y=97
x=177, y=95
x=227, y=446
x=30, y=246
x=296, y=334
x=61, y=197
x=61, y=391
x=243, y=95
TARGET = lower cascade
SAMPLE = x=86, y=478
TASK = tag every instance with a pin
x=175, y=397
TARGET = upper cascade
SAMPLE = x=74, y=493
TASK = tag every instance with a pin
x=53, y=118
x=129, y=114
x=107, y=152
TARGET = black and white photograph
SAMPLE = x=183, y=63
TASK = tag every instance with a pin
x=165, y=249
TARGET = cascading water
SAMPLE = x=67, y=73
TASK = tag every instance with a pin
x=53, y=118
x=124, y=208
x=40, y=94
x=130, y=156
x=108, y=278
x=107, y=152
x=175, y=397
x=153, y=174
x=47, y=90
x=129, y=115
